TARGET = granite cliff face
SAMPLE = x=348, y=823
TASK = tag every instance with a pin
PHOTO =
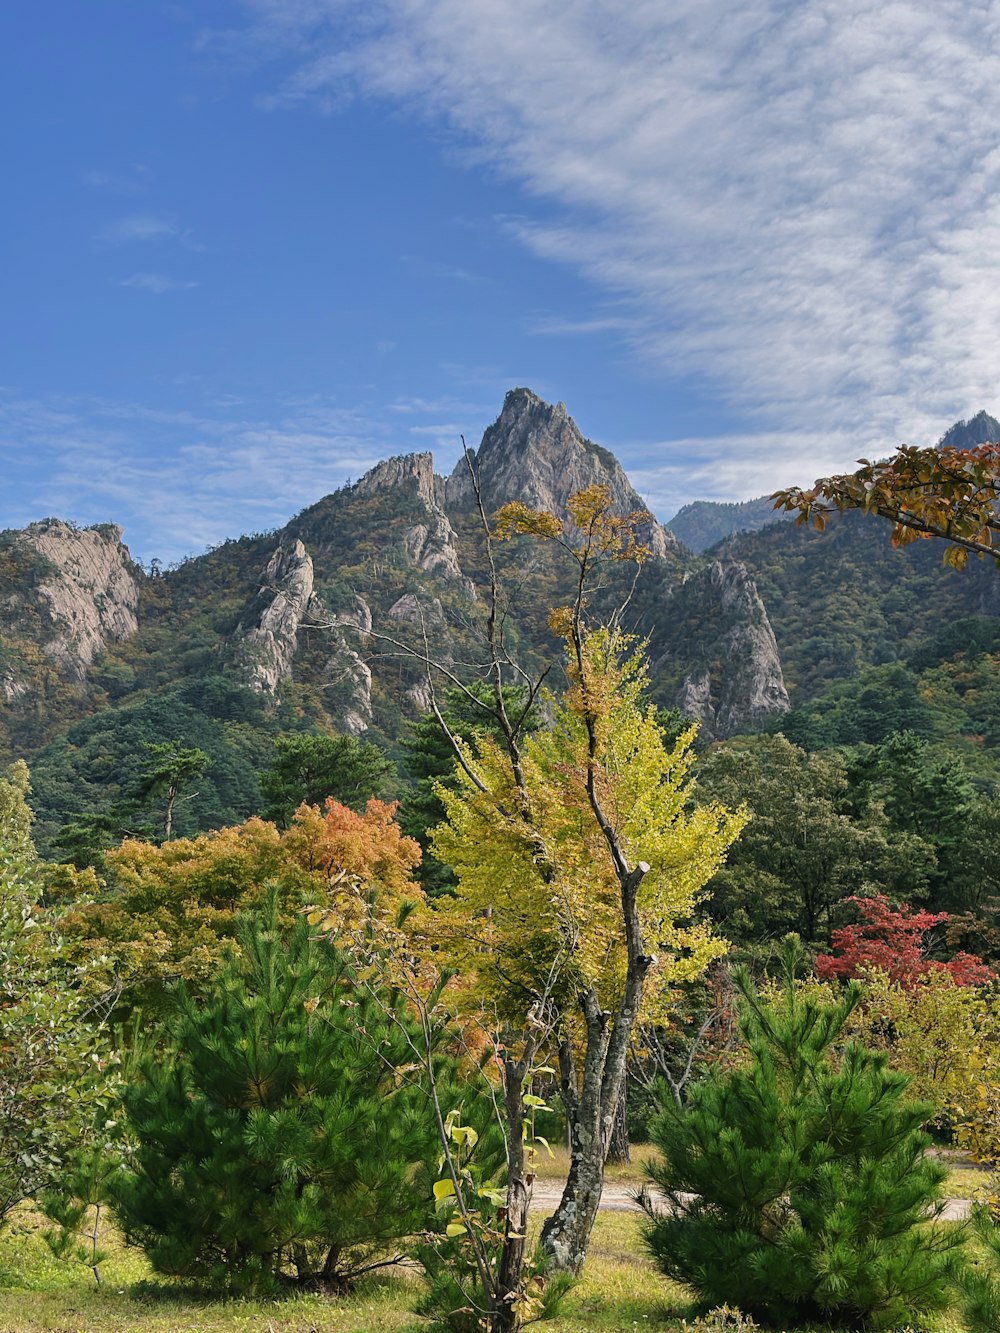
x=81, y=597
x=535, y=453
x=263, y=646
x=735, y=683
x=430, y=543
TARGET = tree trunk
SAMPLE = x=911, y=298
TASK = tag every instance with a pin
x=591, y=1107
x=510, y=1270
x=566, y=1234
x=168, y=817
x=619, y=1152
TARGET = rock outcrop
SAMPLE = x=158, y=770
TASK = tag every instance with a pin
x=347, y=676
x=734, y=682
x=535, y=453
x=408, y=470
x=11, y=688
x=82, y=594
x=429, y=544
x=263, y=646
x=401, y=497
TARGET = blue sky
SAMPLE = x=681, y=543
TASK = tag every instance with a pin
x=252, y=246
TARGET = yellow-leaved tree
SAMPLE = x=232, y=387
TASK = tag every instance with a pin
x=579, y=867
x=539, y=899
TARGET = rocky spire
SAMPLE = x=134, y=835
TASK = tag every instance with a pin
x=980, y=429
x=535, y=453
x=264, y=642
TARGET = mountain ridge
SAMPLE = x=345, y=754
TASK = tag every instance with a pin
x=294, y=629
x=294, y=610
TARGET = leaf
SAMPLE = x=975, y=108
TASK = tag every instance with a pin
x=464, y=1136
x=443, y=1189
x=454, y=1229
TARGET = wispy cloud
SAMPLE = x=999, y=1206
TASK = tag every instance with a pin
x=728, y=467
x=557, y=327
x=439, y=270
x=435, y=406
x=800, y=202
x=134, y=179
x=139, y=227
x=178, y=481
x=156, y=283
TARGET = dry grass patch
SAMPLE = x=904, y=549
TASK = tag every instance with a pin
x=556, y=1167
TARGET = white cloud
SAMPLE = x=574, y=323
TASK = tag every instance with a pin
x=728, y=467
x=139, y=227
x=157, y=283
x=799, y=201
x=558, y=327
x=177, y=481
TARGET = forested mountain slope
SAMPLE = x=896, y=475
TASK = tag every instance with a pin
x=704, y=523
x=300, y=628
x=843, y=599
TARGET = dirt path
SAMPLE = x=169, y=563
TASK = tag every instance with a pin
x=621, y=1199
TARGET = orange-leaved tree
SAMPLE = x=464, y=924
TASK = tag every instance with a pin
x=169, y=910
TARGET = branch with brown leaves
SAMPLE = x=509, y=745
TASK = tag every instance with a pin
x=948, y=493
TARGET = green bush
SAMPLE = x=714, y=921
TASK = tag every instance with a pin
x=798, y=1185
x=284, y=1132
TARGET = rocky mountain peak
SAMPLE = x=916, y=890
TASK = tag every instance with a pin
x=535, y=452
x=400, y=471
x=980, y=429
x=85, y=589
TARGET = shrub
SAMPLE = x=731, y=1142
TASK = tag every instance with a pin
x=798, y=1183
x=279, y=1135
x=54, y=1059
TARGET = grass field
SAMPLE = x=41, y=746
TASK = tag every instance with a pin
x=620, y=1292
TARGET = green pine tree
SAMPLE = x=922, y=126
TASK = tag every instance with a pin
x=280, y=1136
x=798, y=1185
x=310, y=766
x=980, y=1280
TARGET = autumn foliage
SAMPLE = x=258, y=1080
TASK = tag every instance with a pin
x=893, y=940
x=169, y=909
x=947, y=493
